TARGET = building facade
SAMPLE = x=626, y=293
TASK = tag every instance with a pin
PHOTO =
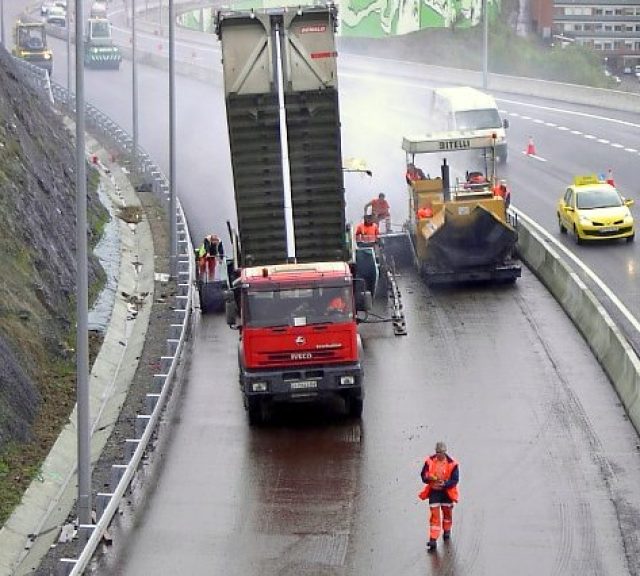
x=610, y=27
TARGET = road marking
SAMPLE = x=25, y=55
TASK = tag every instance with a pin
x=534, y=156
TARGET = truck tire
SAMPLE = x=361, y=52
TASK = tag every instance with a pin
x=256, y=411
x=354, y=405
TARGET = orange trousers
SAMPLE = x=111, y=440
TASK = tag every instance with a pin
x=207, y=268
x=439, y=522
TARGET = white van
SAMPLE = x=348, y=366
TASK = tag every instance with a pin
x=465, y=108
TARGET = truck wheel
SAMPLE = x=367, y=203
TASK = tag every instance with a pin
x=354, y=406
x=256, y=411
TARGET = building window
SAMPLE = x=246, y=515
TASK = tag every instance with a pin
x=597, y=11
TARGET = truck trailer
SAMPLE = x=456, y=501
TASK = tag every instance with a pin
x=295, y=293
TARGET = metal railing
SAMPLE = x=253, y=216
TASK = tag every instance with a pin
x=112, y=136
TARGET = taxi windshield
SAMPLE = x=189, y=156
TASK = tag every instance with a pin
x=598, y=198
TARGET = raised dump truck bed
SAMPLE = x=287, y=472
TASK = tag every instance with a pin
x=309, y=76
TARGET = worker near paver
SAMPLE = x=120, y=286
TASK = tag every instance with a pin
x=413, y=173
x=424, y=212
x=441, y=475
x=500, y=189
x=380, y=211
x=367, y=231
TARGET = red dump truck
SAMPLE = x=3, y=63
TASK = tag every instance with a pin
x=295, y=295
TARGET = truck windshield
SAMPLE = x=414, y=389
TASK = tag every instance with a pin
x=478, y=119
x=298, y=306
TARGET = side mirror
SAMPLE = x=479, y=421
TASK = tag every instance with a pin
x=505, y=123
x=568, y=208
x=629, y=201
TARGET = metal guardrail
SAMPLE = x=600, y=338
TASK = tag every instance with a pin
x=112, y=135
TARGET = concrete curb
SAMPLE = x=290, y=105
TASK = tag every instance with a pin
x=607, y=342
x=33, y=527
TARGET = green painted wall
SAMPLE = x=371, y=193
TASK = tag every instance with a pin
x=378, y=18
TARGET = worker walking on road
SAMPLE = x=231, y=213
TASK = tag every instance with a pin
x=441, y=475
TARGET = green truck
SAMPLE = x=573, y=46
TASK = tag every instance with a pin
x=99, y=49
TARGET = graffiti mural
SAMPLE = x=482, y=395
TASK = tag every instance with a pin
x=375, y=18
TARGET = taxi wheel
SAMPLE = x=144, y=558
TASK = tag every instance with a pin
x=578, y=239
x=563, y=230
x=631, y=238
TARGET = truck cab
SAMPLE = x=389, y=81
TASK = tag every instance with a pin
x=299, y=339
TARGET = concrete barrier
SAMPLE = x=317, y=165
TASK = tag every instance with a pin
x=607, y=342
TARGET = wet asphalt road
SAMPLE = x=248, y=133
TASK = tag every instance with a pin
x=549, y=463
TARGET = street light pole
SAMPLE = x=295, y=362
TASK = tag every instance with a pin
x=134, y=91
x=485, y=45
x=2, y=22
x=82, y=298
x=69, y=75
x=173, y=236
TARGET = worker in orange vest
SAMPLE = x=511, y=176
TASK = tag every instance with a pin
x=380, y=211
x=337, y=305
x=441, y=475
x=424, y=212
x=502, y=191
x=367, y=230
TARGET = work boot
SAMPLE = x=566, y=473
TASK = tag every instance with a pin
x=446, y=535
x=431, y=545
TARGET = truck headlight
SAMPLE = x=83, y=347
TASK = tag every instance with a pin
x=259, y=386
x=347, y=380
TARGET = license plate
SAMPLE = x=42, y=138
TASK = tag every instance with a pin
x=304, y=384
x=608, y=229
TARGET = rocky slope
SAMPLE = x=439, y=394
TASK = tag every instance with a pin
x=37, y=283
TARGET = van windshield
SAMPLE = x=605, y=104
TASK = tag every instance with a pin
x=478, y=119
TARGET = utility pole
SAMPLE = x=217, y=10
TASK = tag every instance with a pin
x=173, y=236
x=485, y=45
x=82, y=298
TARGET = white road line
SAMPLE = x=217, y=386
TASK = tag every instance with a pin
x=563, y=128
x=603, y=141
x=572, y=112
x=534, y=156
x=576, y=132
x=589, y=136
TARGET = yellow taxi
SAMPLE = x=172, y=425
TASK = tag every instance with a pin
x=594, y=210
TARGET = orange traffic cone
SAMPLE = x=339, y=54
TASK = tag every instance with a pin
x=531, y=147
x=610, y=179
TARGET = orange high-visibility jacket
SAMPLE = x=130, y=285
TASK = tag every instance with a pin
x=451, y=474
x=367, y=232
